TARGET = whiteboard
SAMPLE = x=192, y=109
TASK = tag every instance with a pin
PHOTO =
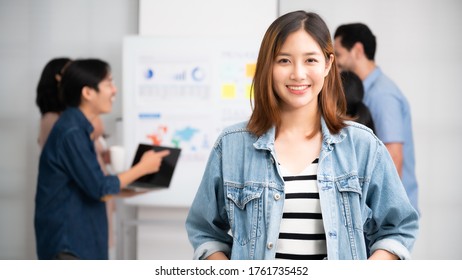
x=181, y=92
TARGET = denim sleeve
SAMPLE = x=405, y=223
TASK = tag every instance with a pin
x=79, y=158
x=207, y=222
x=394, y=223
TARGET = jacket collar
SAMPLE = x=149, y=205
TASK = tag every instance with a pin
x=266, y=141
x=329, y=138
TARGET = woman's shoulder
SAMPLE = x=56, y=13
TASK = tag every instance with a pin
x=358, y=132
x=360, y=141
x=235, y=130
x=47, y=122
x=50, y=118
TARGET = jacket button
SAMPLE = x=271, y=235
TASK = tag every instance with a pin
x=270, y=245
x=277, y=196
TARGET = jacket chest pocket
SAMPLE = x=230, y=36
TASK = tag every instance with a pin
x=350, y=194
x=244, y=206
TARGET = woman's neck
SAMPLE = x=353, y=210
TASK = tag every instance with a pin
x=301, y=124
x=298, y=141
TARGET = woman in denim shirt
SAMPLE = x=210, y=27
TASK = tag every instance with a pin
x=298, y=120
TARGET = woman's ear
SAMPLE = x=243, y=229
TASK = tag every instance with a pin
x=328, y=65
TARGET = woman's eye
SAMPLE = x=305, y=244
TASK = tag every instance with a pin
x=283, y=60
x=311, y=60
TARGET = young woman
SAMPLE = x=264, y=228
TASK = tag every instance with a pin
x=47, y=98
x=298, y=181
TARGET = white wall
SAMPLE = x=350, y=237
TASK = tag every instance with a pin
x=33, y=32
x=206, y=18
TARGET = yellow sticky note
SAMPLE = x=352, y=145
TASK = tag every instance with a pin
x=228, y=91
x=248, y=91
x=250, y=69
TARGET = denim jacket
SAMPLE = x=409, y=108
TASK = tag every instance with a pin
x=238, y=206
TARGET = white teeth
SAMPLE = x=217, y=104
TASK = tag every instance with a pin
x=297, y=87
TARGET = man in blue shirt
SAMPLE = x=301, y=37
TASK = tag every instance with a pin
x=355, y=47
x=70, y=213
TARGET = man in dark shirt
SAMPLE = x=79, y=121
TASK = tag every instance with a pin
x=70, y=214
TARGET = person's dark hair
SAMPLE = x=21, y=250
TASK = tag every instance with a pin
x=266, y=111
x=352, y=33
x=79, y=74
x=47, y=98
x=354, y=93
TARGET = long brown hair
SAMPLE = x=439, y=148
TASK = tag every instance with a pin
x=331, y=101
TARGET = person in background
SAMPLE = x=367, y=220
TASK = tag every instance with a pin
x=298, y=180
x=354, y=93
x=70, y=213
x=50, y=104
x=47, y=99
x=355, y=47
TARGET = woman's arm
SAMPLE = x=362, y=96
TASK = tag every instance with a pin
x=394, y=223
x=207, y=224
x=217, y=256
x=383, y=255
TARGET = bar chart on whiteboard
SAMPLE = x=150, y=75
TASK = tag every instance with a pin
x=181, y=93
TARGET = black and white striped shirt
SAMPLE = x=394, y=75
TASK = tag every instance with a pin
x=301, y=233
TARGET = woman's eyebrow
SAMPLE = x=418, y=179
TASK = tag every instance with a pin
x=306, y=54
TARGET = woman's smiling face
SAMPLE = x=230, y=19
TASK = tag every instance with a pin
x=299, y=70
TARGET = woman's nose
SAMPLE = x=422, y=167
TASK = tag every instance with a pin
x=298, y=72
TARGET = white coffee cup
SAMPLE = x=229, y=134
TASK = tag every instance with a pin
x=117, y=154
